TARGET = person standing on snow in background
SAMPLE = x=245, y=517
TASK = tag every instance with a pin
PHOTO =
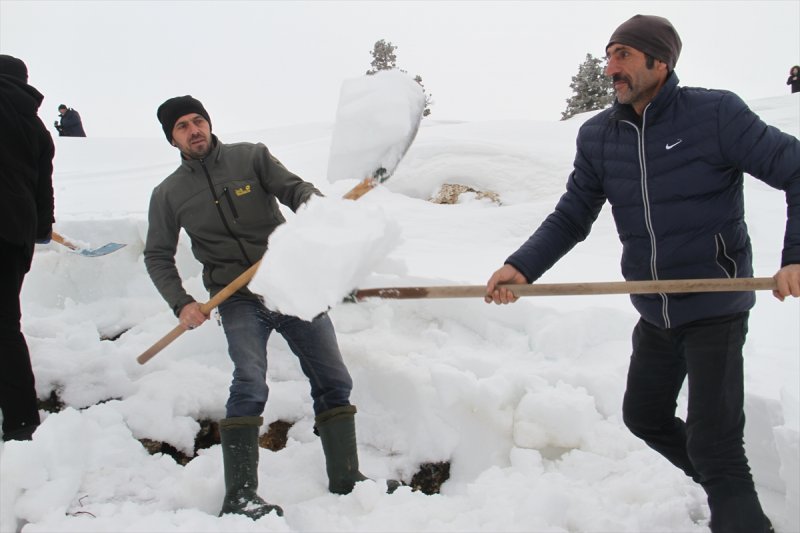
x=225, y=196
x=71, y=124
x=794, y=78
x=26, y=217
x=670, y=161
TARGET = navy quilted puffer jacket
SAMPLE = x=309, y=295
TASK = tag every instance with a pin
x=674, y=179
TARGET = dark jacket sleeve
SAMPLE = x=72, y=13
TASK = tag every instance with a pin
x=45, y=204
x=569, y=224
x=287, y=187
x=159, y=253
x=768, y=154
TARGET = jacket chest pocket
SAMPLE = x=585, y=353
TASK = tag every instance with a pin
x=242, y=200
x=226, y=196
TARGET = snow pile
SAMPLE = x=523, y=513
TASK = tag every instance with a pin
x=522, y=401
x=322, y=254
x=376, y=121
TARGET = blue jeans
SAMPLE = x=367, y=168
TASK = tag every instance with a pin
x=248, y=324
x=709, y=445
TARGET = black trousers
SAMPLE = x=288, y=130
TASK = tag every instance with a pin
x=17, y=391
x=709, y=445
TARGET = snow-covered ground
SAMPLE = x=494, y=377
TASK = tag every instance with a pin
x=523, y=401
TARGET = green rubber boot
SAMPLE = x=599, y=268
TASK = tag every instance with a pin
x=239, y=437
x=337, y=430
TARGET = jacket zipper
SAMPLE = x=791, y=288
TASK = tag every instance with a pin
x=648, y=221
x=222, y=214
x=227, y=194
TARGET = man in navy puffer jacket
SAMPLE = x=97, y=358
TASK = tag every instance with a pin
x=670, y=161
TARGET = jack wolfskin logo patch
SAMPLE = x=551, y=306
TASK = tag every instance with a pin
x=241, y=191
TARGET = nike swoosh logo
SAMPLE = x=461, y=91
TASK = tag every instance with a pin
x=673, y=145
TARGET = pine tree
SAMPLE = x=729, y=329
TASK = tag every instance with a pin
x=593, y=89
x=384, y=58
x=428, y=96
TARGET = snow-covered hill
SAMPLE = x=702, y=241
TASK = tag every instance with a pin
x=522, y=401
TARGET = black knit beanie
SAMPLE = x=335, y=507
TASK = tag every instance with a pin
x=655, y=36
x=14, y=67
x=170, y=111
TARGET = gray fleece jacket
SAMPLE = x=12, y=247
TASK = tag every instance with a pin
x=228, y=205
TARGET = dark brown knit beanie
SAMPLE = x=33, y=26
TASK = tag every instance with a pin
x=655, y=36
x=170, y=111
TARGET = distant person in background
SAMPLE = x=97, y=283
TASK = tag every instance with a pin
x=70, y=125
x=26, y=217
x=670, y=161
x=794, y=78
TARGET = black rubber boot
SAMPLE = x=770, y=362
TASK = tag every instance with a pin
x=337, y=430
x=239, y=437
x=23, y=433
x=738, y=514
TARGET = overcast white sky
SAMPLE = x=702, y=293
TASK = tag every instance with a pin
x=260, y=64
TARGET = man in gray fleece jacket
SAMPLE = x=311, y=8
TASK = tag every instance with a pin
x=225, y=196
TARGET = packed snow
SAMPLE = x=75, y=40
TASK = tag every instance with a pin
x=523, y=400
x=316, y=259
x=376, y=120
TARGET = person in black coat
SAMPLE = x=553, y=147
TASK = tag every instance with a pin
x=26, y=217
x=71, y=124
x=794, y=78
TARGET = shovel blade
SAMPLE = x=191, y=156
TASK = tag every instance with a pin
x=103, y=250
x=86, y=252
x=376, y=122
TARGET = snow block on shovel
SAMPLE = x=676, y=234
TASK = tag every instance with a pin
x=320, y=255
x=376, y=121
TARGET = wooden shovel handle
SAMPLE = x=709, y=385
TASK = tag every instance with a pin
x=562, y=289
x=230, y=289
x=206, y=308
x=162, y=343
x=362, y=188
x=62, y=241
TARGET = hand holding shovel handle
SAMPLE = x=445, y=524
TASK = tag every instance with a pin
x=206, y=308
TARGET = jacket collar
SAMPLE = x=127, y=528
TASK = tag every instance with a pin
x=213, y=155
x=26, y=98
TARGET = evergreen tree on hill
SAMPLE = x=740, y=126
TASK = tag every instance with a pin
x=592, y=89
x=384, y=58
